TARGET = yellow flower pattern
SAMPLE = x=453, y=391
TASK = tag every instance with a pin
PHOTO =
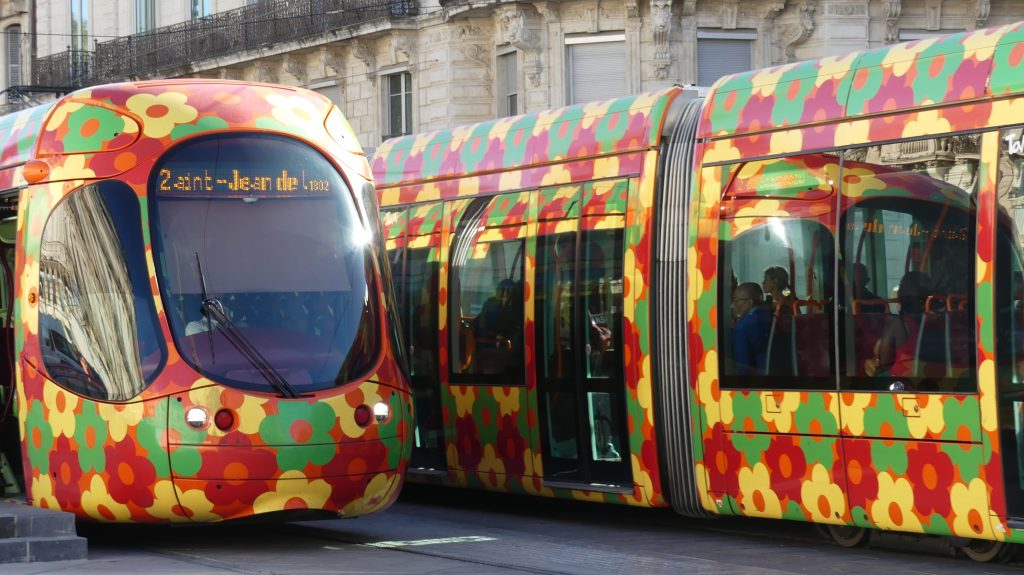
x=894, y=508
x=756, y=496
x=160, y=113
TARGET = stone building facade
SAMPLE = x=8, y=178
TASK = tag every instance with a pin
x=400, y=66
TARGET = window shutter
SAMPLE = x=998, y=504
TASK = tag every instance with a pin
x=717, y=57
x=597, y=71
x=13, y=56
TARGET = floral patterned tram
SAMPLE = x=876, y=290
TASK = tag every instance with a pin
x=799, y=298
x=199, y=307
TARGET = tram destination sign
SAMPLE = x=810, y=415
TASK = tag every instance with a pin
x=236, y=182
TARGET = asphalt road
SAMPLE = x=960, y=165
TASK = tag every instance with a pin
x=432, y=530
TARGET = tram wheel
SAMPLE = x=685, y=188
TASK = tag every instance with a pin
x=988, y=551
x=848, y=536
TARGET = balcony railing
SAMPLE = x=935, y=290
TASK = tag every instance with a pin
x=147, y=54
x=70, y=68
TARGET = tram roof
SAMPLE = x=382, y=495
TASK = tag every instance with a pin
x=935, y=71
x=19, y=132
x=107, y=118
x=584, y=130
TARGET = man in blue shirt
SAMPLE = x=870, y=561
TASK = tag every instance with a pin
x=753, y=323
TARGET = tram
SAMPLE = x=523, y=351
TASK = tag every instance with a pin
x=801, y=297
x=196, y=306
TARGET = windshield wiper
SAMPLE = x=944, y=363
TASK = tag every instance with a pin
x=215, y=314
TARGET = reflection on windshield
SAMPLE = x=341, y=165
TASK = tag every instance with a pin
x=290, y=269
x=98, y=330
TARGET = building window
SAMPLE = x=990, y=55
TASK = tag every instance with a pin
x=508, y=83
x=12, y=37
x=595, y=67
x=201, y=8
x=723, y=52
x=79, y=24
x=398, y=104
x=145, y=15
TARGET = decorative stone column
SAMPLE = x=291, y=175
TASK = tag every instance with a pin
x=892, y=20
x=981, y=11
x=661, y=30
x=802, y=30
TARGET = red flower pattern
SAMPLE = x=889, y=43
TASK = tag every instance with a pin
x=130, y=476
x=930, y=471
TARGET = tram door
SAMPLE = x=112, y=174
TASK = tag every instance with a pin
x=1009, y=308
x=578, y=310
x=413, y=242
x=778, y=453
x=911, y=429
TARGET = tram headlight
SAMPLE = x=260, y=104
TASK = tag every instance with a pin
x=196, y=417
x=381, y=412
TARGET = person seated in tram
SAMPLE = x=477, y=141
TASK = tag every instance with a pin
x=776, y=286
x=861, y=291
x=497, y=328
x=895, y=351
x=751, y=328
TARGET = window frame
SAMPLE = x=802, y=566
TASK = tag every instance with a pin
x=12, y=37
x=746, y=34
x=471, y=225
x=583, y=39
x=720, y=164
x=145, y=16
x=405, y=98
x=503, y=56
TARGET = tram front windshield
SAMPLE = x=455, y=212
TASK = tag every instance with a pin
x=263, y=264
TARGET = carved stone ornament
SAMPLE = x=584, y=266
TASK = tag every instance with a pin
x=933, y=14
x=892, y=20
x=364, y=53
x=404, y=44
x=661, y=28
x=520, y=28
x=333, y=61
x=981, y=13
x=266, y=72
x=549, y=10
x=632, y=8
x=295, y=65
x=480, y=56
x=803, y=30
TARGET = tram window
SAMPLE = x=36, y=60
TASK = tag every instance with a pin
x=286, y=257
x=486, y=305
x=908, y=266
x=97, y=323
x=777, y=306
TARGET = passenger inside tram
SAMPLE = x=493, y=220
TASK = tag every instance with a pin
x=776, y=287
x=753, y=323
x=896, y=351
x=861, y=291
x=497, y=328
